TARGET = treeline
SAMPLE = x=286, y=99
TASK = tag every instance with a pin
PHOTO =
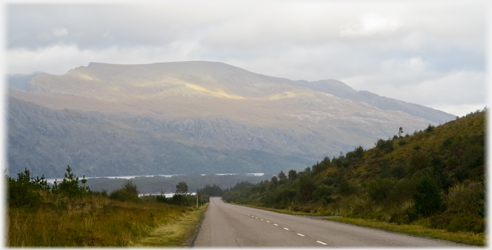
x=159, y=184
x=434, y=178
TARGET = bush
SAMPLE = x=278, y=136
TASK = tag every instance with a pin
x=465, y=198
x=419, y=161
x=427, y=198
x=380, y=189
x=69, y=186
x=23, y=192
x=430, y=128
x=385, y=146
x=128, y=192
x=323, y=193
x=306, y=189
x=329, y=181
x=286, y=196
x=292, y=175
x=345, y=188
x=447, y=142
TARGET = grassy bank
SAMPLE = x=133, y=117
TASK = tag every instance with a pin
x=287, y=211
x=179, y=232
x=93, y=221
x=476, y=239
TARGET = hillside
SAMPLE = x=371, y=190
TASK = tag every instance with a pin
x=433, y=178
x=192, y=117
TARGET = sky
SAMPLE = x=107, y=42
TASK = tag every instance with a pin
x=431, y=53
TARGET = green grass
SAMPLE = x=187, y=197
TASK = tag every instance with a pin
x=416, y=230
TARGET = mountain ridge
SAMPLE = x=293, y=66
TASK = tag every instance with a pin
x=211, y=111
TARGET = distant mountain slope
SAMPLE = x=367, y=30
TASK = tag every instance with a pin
x=342, y=90
x=206, y=116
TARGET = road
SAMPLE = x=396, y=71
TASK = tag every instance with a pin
x=227, y=225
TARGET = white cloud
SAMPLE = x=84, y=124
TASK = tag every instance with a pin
x=370, y=24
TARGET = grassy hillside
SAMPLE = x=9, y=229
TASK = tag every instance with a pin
x=433, y=178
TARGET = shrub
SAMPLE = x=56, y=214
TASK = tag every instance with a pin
x=447, y=142
x=403, y=191
x=329, y=181
x=419, y=161
x=22, y=192
x=380, y=189
x=345, y=188
x=128, y=192
x=466, y=223
x=465, y=198
x=398, y=171
x=385, y=146
x=427, y=198
x=292, y=175
x=69, y=186
x=430, y=128
x=323, y=193
x=306, y=189
x=286, y=196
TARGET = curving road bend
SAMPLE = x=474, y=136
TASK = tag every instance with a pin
x=227, y=225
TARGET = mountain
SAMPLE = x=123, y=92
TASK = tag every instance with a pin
x=19, y=81
x=192, y=117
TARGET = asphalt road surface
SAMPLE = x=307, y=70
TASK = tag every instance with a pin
x=227, y=225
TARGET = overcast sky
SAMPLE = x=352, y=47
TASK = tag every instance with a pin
x=430, y=53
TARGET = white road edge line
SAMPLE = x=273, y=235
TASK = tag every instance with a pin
x=301, y=234
x=321, y=242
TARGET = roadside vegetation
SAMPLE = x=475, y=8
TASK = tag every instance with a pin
x=432, y=179
x=68, y=214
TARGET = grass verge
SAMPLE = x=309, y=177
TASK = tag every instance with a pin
x=175, y=233
x=283, y=211
x=458, y=237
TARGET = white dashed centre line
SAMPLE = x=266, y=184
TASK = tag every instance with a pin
x=275, y=225
x=286, y=228
x=268, y=221
x=321, y=242
x=301, y=235
x=261, y=219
